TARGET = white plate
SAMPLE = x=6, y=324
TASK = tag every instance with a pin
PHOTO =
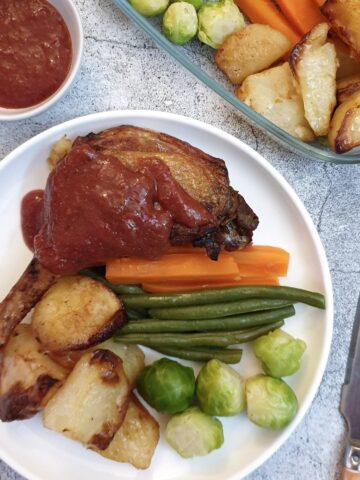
x=38, y=453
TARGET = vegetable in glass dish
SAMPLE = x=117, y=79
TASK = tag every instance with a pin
x=194, y=433
x=180, y=22
x=150, y=8
x=167, y=386
x=220, y=390
x=271, y=403
x=217, y=20
x=279, y=352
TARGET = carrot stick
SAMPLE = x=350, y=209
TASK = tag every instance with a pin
x=175, y=267
x=253, y=260
x=190, y=287
x=303, y=15
x=264, y=11
x=262, y=260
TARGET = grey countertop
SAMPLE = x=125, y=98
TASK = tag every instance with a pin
x=123, y=69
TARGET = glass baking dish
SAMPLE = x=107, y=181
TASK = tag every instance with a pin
x=198, y=59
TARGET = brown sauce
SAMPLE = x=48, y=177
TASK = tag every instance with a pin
x=94, y=208
x=35, y=52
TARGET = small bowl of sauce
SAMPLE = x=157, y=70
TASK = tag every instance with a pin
x=41, y=45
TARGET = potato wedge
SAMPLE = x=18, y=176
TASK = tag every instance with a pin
x=344, y=17
x=76, y=313
x=136, y=439
x=344, y=133
x=92, y=403
x=250, y=51
x=314, y=63
x=347, y=87
x=27, y=377
x=132, y=356
x=275, y=94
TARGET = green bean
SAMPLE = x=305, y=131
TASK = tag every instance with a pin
x=119, y=289
x=218, y=310
x=229, y=294
x=188, y=340
x=136, y=314
x=227, y=324
x=203, y=354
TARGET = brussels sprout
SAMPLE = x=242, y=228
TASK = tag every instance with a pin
x=217, y=20
x=194, y=433
x=167, y=386
x=271, y=403
x=279, y=352
x=150, y=8
x=180, y=22
x=195, y=3
x=220, y=390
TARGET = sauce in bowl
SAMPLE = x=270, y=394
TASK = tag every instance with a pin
x=35, y=52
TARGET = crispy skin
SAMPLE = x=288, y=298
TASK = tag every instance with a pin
x=32, y=284
x=202, y=176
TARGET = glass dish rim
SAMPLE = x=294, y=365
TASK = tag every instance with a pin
x=300, y=147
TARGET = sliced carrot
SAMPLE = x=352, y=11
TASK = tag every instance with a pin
x=303, y=15
x=262, y=260
x=174, y=267
x=190, y=287
x=264, y=11
x=252, y=260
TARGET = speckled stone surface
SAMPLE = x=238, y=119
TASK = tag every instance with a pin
x=123, y=69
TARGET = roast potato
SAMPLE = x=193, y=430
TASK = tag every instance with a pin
x=28, y=376
x=347, y=65
x=92, y=403
x=250, y=51
x=136, y=439
x=275, y=94
x=314, y=63
x=59, y=150
x=344, y=133
x=132, y=356
x=76, y=313
x=344, y=18
x=347, y=87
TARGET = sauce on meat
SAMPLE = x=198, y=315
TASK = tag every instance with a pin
x=31, y=215
x=35, y=52
x=94, y=208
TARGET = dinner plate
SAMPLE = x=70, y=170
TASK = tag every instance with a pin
x=38, y=453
